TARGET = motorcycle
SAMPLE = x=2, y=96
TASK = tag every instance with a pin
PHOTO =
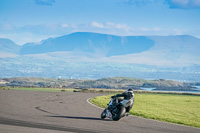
x=116, y=110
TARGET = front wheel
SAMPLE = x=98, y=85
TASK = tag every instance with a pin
x=120, y=114
x=103, y=114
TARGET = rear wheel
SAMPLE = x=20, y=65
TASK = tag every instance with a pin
x=120, y=114
x=103, y=114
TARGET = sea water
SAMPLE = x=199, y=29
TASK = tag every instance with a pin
x=152, y=89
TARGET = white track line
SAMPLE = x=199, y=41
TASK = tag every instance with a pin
x=88, y=100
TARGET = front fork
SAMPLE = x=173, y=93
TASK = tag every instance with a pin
x=108, y=114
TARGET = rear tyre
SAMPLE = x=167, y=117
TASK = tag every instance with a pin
x=120, y=114
x=103, y=114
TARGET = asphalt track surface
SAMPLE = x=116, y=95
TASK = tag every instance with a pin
x=59, y=112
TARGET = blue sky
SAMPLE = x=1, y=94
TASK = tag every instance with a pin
x=34, y=20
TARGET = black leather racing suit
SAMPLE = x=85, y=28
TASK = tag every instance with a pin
x=126, y=96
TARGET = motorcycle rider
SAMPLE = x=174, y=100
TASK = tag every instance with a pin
x=127, y=96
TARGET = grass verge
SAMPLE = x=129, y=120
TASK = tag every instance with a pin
x=37, y=89
x=179, y=109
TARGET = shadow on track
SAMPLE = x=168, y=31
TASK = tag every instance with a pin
x=82, y=118
x=38, y=108
x=21, y=123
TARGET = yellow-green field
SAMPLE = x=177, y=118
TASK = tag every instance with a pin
x=37, y=89
x=179, y=109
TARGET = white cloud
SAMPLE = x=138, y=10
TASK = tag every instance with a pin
x=64, y=25
x=6, y=27
x=155, y=29
x=177, y=31
x=184, y=4
x=33, y=33
x=159, y=31
x=144, y=29
x=98, y=25
x=118, y=26
x=110, y=25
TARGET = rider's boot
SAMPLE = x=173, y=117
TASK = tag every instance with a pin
x=127, y=114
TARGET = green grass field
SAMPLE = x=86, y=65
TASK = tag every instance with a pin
x=179, y=109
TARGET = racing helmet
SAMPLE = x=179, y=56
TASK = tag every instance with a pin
x=129, y=91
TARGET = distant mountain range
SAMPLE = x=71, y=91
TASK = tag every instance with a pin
x=108, y=45
x=85, y=46
x=155, y=54
x=8, y=46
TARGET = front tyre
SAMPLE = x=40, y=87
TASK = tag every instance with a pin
x=120, y=114
x=103, y=114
